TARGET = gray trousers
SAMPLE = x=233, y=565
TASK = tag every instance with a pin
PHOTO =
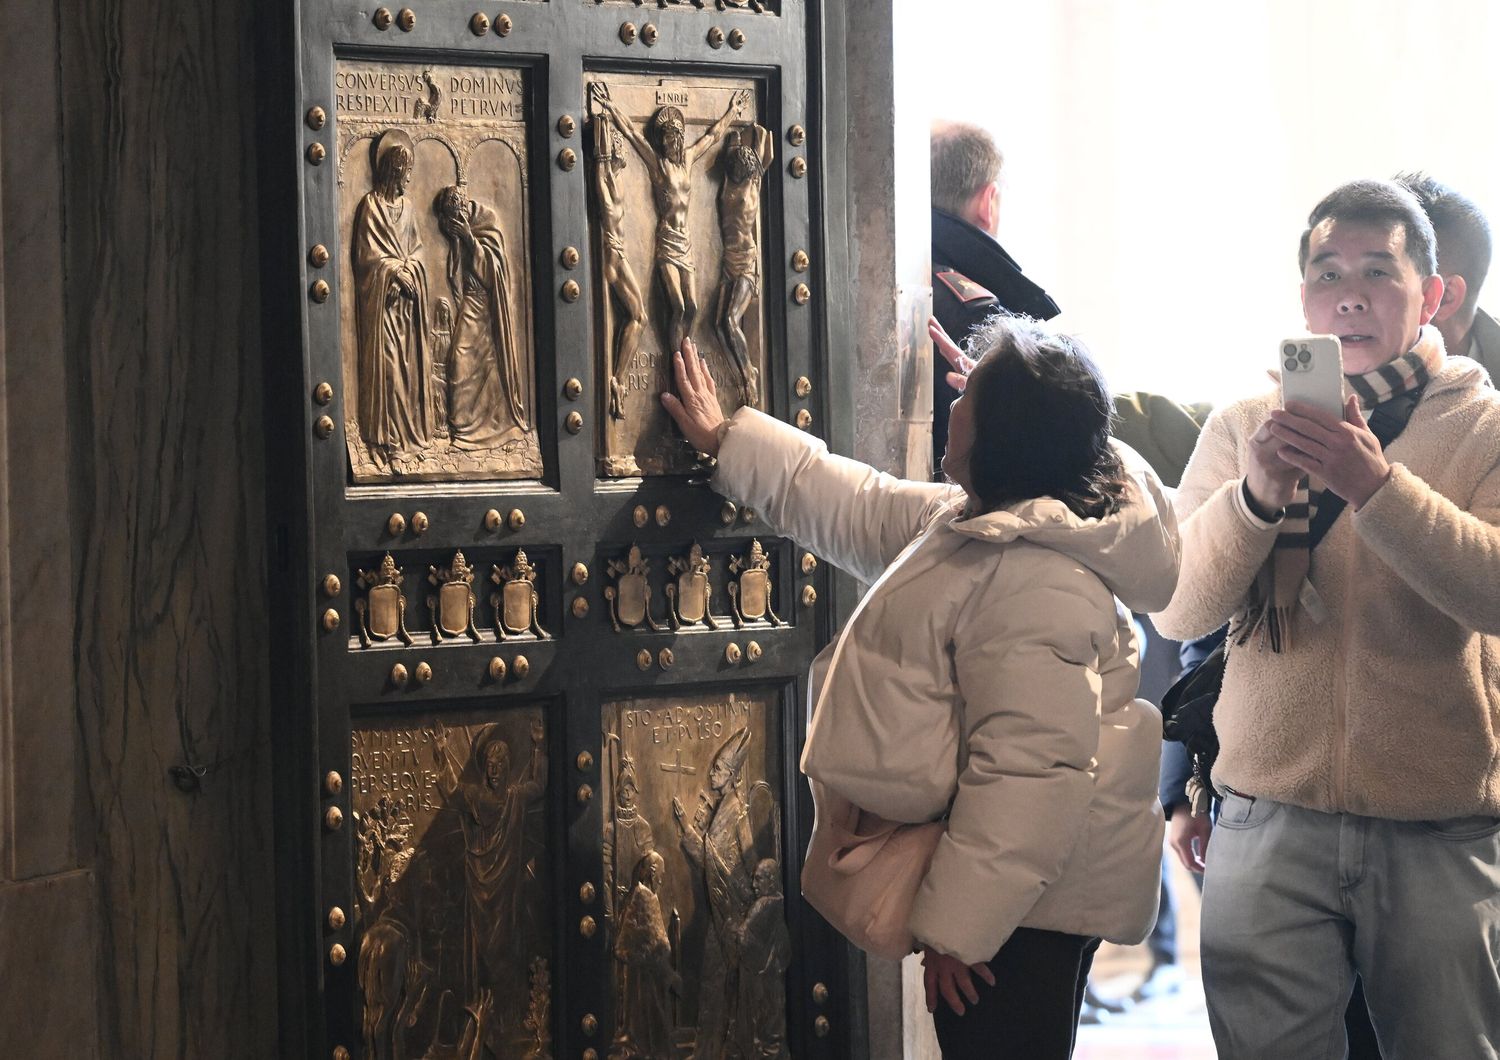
x=1296, y=902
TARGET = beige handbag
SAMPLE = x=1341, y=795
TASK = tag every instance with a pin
x=862, y=872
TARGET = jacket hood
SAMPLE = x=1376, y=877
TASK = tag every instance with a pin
x=1135, y=552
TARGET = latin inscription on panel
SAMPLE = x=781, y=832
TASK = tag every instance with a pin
x=453, y=900
x=677, y=171
x=435, y=313
x=693, y=879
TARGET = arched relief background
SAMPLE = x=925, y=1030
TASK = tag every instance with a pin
x=468, y=129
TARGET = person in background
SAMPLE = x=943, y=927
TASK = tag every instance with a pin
x=972, y=275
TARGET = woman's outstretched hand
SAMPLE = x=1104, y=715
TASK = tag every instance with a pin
x=961, y=363
x=696, y=410
x=950, y=977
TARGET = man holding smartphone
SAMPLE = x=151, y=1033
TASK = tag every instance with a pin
x=1359, y=762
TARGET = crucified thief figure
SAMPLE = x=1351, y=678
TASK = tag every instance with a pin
x=747, y=156
x=670, y=164
x=609, y=159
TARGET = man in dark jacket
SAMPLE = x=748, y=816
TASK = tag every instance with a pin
x=972, y=275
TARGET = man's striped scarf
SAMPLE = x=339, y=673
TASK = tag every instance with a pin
x=1279, y=585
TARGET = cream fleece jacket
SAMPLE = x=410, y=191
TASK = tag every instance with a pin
x=990, y=673
x=1390, y=706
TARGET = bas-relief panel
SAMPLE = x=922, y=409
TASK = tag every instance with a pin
x=454, y=897
x=677, y=169
x=693, y=877
x=435, y=265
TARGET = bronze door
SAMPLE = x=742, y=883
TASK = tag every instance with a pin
x=541, y=692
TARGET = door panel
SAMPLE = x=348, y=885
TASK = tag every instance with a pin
x=543, y=708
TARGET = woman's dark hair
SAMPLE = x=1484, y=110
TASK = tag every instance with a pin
x=1042, y=416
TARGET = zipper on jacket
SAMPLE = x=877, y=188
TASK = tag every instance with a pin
x=1340, y=685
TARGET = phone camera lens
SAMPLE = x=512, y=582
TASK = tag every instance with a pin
x=1291, y=364
x=1289, y=349
x=1304, y=356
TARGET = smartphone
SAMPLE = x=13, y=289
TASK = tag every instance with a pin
x=1312, y=372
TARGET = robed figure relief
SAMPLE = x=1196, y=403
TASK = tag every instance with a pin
x=395, y=411
x=487, y=405
x=720, y=845
x=747, y=155
x=648, y=981
x=669, y=164
x=492, y=807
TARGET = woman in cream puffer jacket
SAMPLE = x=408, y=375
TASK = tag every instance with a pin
x=989, y=675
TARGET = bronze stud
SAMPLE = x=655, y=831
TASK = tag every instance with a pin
x=753, y=651
x=591, y=1054
x=809, y=563
x=497, y=669
x=573, y=422
x=663, y=515
x=809, y=596
x=330, y=620
x=627, y=32
x=649, y=34
x=580, y=607
x=337, y=955
x=803, y=386
x=566, y=126
x=382, y=18
x=333, y=783
x=580, y=574
x=569, y=258
x=567, y=158
x=323, y=426
x=406, y=19
x=716, y=38
x=522, y=666
x=319, y=291
x=798, y=167
x=800, y=261
x=728, y=513
x=665, y=659
x=821, y=1026
x=820, y=993
x=419, y=523
x=796, y=136
x=317, y=257
x=395, y=526
x=590, y=1024
x=423, y=674
x=584, y=761
x=316, y=153
x=643, y=659
x=804, y=419
x=336, y=918
x=340, y=1053
x=398, y=676
x=639, y=515
x=503, y=26
x=316, y=118
x=323, y=393
x=333, y=819
x=332, y=586
x=479, y=25
x=572, y=389
x=747, y=515
x=801, y=294
x=584, y=795
x=492, y=520
x=516, y=519
x=732, y=654
x=586, y=893
x=736, y=39
x=571, y=291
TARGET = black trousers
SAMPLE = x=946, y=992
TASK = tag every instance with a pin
x=1031, y=1013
